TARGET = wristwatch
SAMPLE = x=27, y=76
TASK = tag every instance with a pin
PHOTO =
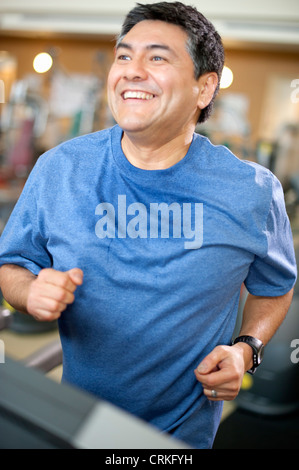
x=257, y=349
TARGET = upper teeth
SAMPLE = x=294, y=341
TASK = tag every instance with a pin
x=137, y=94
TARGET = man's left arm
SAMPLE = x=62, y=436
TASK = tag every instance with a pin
x=223, y=369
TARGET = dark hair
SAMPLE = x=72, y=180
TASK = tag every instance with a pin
x=204, y=43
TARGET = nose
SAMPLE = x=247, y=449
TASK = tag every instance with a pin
x=135, y=70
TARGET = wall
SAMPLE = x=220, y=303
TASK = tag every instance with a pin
x=253, y=69
x=76, y=55
x=253, y=73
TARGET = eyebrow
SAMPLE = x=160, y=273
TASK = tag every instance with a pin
x=148, y=47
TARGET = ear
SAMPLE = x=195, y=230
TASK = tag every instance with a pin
x=207, y=85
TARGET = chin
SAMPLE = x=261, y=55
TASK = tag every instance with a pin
x=131, y=126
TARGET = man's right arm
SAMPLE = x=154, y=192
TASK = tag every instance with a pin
x=44, y=296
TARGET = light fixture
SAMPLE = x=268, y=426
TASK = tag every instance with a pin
x=42, y=62
x=226, y=77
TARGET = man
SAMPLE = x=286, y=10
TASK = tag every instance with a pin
x=138, y=238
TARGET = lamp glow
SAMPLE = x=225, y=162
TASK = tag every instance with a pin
x=227, y=77
x=42, y=62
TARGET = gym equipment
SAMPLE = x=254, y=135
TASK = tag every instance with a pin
x=267, y=407
x=5, y=318
x=46, y=358
x=274, y=388
x=21, y=323
x=38, y=413
x=246, y=430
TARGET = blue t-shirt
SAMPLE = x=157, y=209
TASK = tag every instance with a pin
x=164, y=254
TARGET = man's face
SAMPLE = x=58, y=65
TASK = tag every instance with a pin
x=151, y=84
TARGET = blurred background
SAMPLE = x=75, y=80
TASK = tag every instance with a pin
x=54, y=60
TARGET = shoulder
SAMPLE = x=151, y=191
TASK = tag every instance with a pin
x=243, y=182
x=80, y=153
x=220, y=157
x=78, y=147
x=75, y=159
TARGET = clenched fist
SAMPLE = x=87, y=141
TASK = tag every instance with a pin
x=51, y=292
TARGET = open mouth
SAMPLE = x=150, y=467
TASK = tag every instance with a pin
x=139, y=95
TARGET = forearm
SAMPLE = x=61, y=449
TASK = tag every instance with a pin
x=262, y=316
x=14, y=283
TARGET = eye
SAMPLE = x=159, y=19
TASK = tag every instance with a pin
x=123, y=57
x=157, y=58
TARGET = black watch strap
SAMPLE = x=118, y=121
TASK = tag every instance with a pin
x=257, y=349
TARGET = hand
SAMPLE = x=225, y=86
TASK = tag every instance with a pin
x=51, y=292
x=222, y=371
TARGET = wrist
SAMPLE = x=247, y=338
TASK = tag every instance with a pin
x=246, y=352
x=257, y=348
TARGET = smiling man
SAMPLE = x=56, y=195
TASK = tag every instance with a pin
x=165, y=228
x=154, y=95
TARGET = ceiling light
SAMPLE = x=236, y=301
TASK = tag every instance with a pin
x=42, y=62
x=226, y=77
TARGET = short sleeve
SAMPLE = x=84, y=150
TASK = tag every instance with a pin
x=275, y=273
x=22, y=241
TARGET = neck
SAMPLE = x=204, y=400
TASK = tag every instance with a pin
x=155, y=155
